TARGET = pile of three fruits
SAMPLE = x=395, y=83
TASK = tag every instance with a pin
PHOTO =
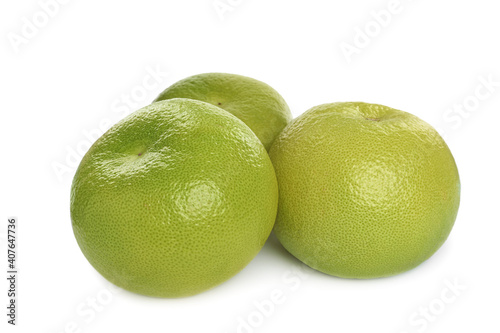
x=181, y=195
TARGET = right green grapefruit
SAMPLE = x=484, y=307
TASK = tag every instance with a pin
x=365, y=190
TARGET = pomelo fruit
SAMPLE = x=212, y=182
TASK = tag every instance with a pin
x=254, y=102
x=366, y=191
x=174, y=199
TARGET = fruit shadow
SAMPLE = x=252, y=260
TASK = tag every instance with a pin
x=275, y=250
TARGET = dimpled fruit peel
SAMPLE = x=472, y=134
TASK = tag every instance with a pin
x=366, y=191
x=174, y=199
x=254, y=102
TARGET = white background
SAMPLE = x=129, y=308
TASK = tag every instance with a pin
x=75, y=72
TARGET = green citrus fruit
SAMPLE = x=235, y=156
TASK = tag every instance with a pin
x=253, y=101
x=174, y=199
x=365, y=190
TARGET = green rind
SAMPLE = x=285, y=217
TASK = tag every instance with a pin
x=188, y=213
x=257, y=104
x=366, y=191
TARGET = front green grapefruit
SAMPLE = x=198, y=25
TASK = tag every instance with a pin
x=174, y=199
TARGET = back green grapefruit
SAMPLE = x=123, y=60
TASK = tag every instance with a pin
x=254, y=102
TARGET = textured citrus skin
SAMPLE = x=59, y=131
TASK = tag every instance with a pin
x=259, y=106
x=174, y=199
x=366, y=191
